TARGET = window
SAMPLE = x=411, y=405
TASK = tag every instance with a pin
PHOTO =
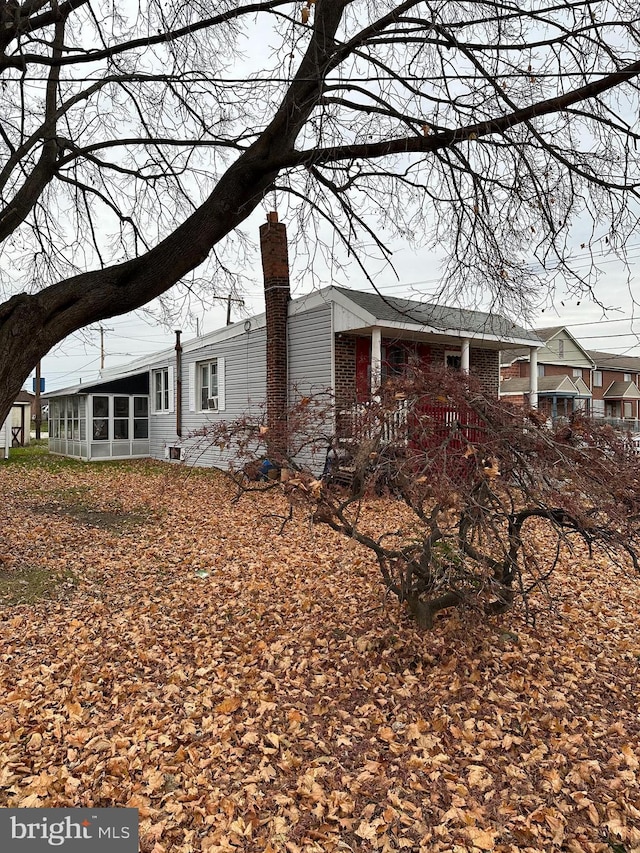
x=627, y=411
x=54, y=419
x=453, y=360
x=597, y=408
x=100, y=419
x=627, y=377
x=120, y=418
x=540, y=371
x=577, y=373
x=207, y=386
x=394, y=360
x=597, y=379
x=560, y=348
x=161, y=390
x=140, y=417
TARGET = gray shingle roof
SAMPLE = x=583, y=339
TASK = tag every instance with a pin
x=441, y=317
x=611, y=361
x=562, y=385
x=618, y=390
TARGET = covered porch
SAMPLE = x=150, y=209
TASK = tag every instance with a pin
x=377, y=338
x=621, y=401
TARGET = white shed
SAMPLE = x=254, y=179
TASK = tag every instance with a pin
x=16, y=430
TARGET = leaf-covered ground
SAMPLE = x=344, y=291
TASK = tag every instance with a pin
x=250, y=691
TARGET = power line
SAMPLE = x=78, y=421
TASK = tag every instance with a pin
x=382, y=78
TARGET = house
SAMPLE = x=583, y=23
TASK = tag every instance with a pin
x=615, y=386
x=563, y=369
x=16, y=430
x=335, y=339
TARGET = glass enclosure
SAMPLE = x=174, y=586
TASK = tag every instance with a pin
x=99, y=426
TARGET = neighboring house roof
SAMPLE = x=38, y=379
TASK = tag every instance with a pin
x=562, y=386
x=622, y=390
x=546, y=335
x=24, y=398
x=611, y=361
x=582, y=387
x=437, y=318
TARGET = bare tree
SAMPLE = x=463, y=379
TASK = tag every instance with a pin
x=136, y=138
x=483, y=499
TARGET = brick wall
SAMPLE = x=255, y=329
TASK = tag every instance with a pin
x=275, y=268
x=484, y=364
x=345, y=367
x=513, y=371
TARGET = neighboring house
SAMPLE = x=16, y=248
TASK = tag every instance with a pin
x=615, y=386
x=16, y=430
x=563, y=369
x=335, y=339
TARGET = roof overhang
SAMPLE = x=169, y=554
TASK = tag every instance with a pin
x=353, y=318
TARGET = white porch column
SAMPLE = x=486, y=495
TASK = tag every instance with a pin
x=376, y=359
x=464, y=355
x=533, y=378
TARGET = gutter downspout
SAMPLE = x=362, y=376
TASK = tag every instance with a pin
x=533, y=377
x=178, y=385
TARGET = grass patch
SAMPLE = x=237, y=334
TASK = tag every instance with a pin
x=27, y=585
x=91, y=517
x=36, y=455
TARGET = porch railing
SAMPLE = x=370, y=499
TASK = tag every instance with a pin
x=412, y=422
x=359, y=422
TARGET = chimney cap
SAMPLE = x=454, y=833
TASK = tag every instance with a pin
x=272, y=216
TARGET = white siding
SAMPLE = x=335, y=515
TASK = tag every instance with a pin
x=310, y=351
x=242, y=388
x=310, y=372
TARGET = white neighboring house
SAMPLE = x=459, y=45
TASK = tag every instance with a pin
x=16, y=430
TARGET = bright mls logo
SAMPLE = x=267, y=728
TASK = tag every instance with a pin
x=69, y=830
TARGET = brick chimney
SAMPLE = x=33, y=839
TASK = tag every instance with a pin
x=275, y=267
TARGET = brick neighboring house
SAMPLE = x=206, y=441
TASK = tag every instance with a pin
x=615, y=386
x=335, y=339
x=563, y=369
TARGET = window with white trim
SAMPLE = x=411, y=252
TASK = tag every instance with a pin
x=560, y=348
x=627, y=377
x=540, y=371
x=597, y=408
x=207, y=386
x=597, y=380
x=577, y=373
x=162, y=389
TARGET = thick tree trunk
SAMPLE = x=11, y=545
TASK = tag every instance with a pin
x=30, y=325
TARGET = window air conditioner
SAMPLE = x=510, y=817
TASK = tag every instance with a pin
x=212, y=403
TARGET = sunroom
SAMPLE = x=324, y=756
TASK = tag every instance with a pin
x=107, y=420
